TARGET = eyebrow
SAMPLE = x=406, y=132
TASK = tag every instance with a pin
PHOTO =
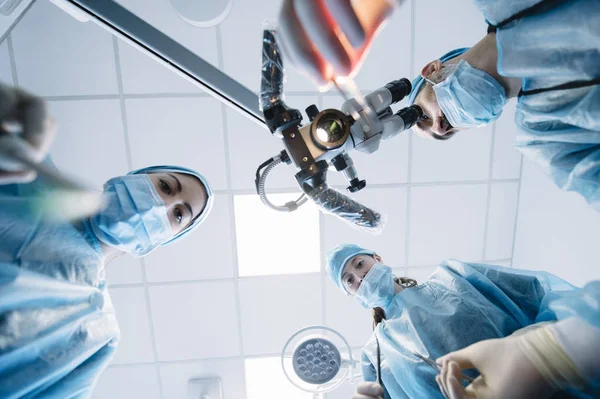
x=179, y=189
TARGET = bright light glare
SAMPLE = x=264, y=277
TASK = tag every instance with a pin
x=265, y=380
x=271, y=242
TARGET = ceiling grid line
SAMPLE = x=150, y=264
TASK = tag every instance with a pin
x=409, y=183
x=130, y=167
x=486, y=222
x=231, y=203
x=11, y=57
x=516, y=220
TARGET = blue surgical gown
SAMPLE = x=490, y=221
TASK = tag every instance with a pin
x=58, y=329
x=560, y=130
x=460, y=304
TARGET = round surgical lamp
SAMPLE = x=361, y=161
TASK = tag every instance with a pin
x=203, y=13
x=317, y=359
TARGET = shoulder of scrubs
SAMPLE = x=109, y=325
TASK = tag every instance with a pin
x=496, y=11
x=560, y=130
x=521, y=293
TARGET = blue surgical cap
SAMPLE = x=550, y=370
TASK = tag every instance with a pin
x=418, y=82
x=337, y=259
x=179, y=169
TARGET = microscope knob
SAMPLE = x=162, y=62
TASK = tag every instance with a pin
x=312, y=111
x=356, y=185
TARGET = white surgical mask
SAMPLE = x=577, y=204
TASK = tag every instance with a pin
x=377, y=288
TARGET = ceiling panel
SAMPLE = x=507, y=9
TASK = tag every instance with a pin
x=501, y=220
x=273, y=308
x=464, y=157
x=195, y=320
x=178, y=131
x=124, y=270
x=90, y=143
x=556, y=231
x=48, y=42
x=439, y=28
x=135, y=345
x=507, y=159
x=446, y=222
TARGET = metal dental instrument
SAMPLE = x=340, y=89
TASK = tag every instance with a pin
x=438, y=368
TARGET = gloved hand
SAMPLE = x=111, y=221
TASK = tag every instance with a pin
x=309, y=29
x=506, y=372
x=21, y=111
x=368, y=390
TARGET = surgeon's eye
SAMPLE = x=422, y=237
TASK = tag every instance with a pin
x=165, y=187
x=350, y=280
x=178, y=215
x=360, y=264
x=425, y=117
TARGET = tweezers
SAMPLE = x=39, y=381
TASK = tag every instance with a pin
x=437, y=367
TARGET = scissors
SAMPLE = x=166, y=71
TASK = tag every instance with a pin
x=437, y=367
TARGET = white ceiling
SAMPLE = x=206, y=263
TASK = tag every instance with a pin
x=185, y=311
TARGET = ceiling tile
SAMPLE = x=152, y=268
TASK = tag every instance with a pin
x=90, y=143
x=241, y=34
x=390, y=55
x=446, y=222
x=193, y=321
x=143, y=75
x=5, y=68
x=507, y=159
x=48, y=42
x=178, y=131
x=124, y=270
x=125, y=382
x=179, y=261
x=265, y=379
x=557, y=231
x=391, y=243
x=273, y=308
x=250, y=145
x=272, y=236
x=345, y=315
x=468, y=27
x=135, y=345
x=175, y=377
x=501, y=220
x=421, y=274
x=388, y=165
x=161, y=15
x=464, y=157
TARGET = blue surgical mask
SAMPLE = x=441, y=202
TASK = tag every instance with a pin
x=470, y=97
x=134, y=219
x=377, y=288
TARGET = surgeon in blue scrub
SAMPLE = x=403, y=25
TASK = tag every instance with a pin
x=544, y=53
x=57, y=325
x=458, y=305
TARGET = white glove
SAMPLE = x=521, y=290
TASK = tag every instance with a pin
x=310, y=30
x=26, y=116
x=506, y=372
x=368, y=390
